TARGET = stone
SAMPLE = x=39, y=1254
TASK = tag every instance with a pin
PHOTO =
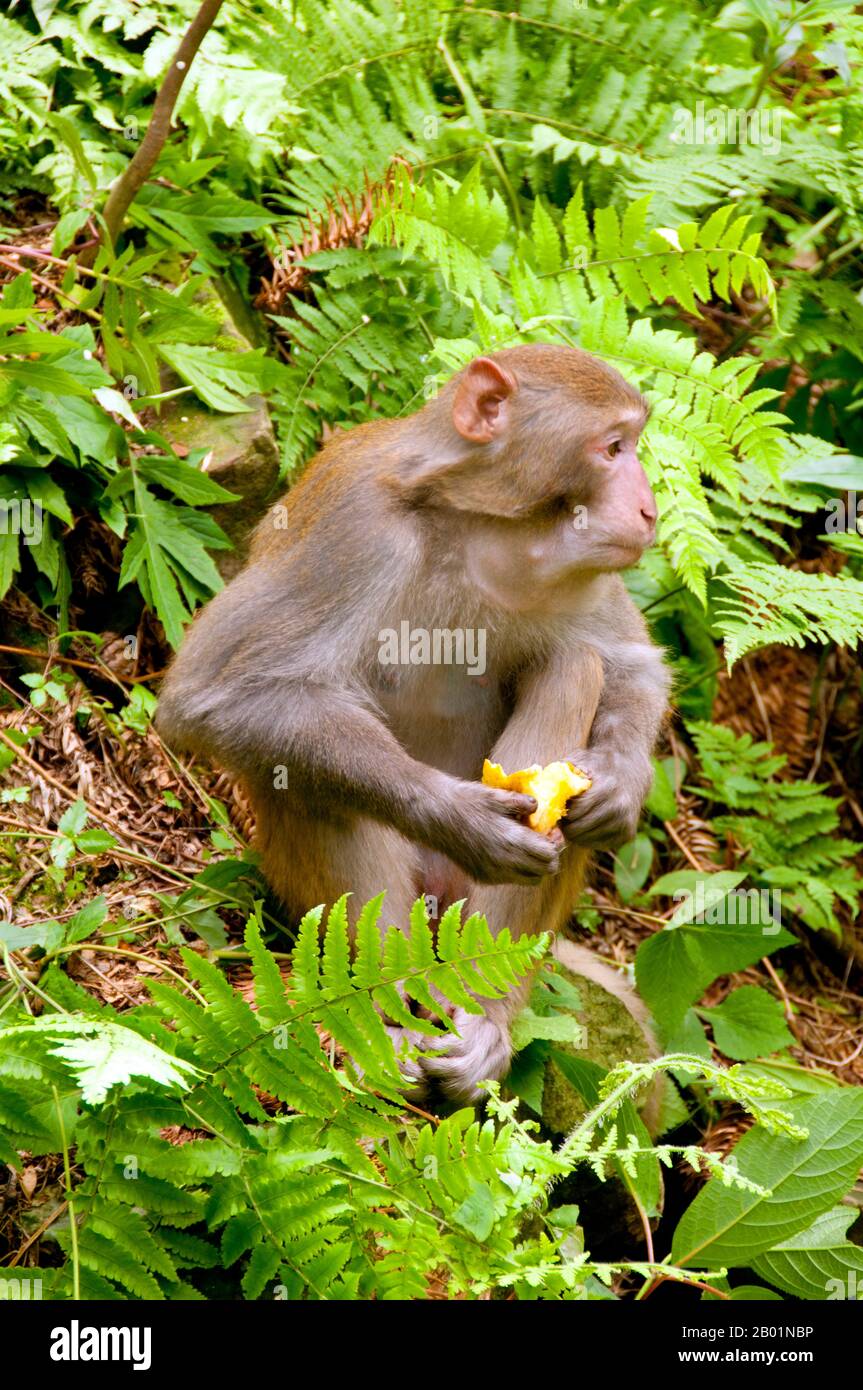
x=242, y=454
x=617, y=1029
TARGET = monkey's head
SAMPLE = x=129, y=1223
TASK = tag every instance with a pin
x=546, y=436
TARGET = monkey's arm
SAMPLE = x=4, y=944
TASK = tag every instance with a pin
x=243, y=692
x=618, y=752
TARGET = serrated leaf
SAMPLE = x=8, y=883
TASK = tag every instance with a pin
x=805, y=1177
x=818, y=1263
x=674, y=967
x=749, y=1023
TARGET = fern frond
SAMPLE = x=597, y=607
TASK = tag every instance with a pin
x=355, y=354
x=455, y=226
x=788, y=829
x=760, y=604
x=609, y=254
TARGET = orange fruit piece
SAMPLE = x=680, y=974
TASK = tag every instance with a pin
x=552, y=786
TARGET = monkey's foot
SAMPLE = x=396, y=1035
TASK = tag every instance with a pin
x=480, y=1051
x=410, y=1068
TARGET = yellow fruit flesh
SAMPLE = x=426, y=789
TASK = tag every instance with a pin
x=552, y=786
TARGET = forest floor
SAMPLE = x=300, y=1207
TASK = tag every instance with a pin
x=169, y=820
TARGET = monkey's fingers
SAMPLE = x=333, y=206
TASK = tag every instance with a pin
x=480, y=1049
x=532, y=857
x=516, y=804
x=603, y=823
x=545, y=854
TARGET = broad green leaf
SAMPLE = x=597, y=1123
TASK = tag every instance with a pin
x=704, y=899
x=166, y=553
x=95, y=841
x=844, y=471
x=223, y=380
x=754, y=1293
x=553, y=1027
x=632, y=864
x=742, y=1293
x=678, y=882
x=690, y=1037
x=818, y=1263
x=44, y=934
x=805, y=1177
x=749, y=1023
x=86, y=920
x=42, y=489
x=9, y=559
x=674, y=967
x=526, y=1077
x=661, y=801
x=74, y=820
x=115, y=402
x=179, y=477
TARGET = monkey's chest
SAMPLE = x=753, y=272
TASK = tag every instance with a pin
x=447, y=714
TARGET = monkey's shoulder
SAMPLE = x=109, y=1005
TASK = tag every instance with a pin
x=340, y=493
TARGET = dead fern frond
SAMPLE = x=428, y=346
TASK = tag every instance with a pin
x=344, y=222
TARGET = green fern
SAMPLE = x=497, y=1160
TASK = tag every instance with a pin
x=615, y=254
x=763, y=603
x=292, y=1197
x=191, y=1152
x=357, y=353
x=788, y=830
x=457, y=227
x=705, y=420
x=753, y=526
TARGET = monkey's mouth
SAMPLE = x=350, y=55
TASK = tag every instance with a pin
x=623, y=555
x=649, y=539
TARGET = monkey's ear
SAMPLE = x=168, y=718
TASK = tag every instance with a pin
x=479, y=410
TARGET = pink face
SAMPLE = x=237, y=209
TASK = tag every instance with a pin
x=619, y=520
x=594, y=509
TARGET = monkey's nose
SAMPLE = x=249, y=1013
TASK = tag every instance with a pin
x=647, y=504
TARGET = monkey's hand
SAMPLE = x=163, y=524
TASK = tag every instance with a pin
x=410, y=1067
x=484, y=837
x=480, y=1051
x=606, y=815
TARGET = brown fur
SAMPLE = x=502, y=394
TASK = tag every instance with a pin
x=459, y=517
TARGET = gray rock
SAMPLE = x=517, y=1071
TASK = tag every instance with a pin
x=242, y=456
x=241, y=449
x=617, y=1029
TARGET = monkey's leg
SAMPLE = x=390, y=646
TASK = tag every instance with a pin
x=309, y=860
x=553, y=713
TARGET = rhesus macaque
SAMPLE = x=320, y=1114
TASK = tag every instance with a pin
x=505, y=506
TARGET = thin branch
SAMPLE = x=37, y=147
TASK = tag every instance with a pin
x=137, y=172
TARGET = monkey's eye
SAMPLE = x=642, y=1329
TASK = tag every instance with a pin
x=614, y=448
